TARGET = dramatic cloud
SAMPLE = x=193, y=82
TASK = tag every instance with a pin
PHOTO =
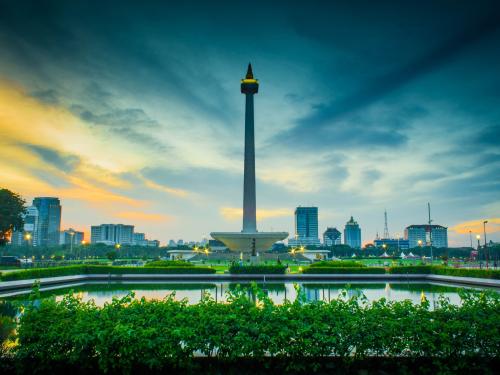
x=476, y=226
x=362, y=106
x=65, y=162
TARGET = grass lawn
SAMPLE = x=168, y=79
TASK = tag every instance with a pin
x=222, y=266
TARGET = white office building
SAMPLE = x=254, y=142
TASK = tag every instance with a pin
x=112, y=234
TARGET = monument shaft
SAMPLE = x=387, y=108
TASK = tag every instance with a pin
x=249, y=87
x=249, y=201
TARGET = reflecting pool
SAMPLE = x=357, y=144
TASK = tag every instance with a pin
x=278, y=292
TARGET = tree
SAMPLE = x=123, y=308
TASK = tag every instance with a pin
x=112, y=255
x=12, y=208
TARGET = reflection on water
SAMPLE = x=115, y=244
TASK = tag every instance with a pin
x=278, y=292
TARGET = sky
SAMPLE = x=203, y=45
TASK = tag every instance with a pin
x=131, y=113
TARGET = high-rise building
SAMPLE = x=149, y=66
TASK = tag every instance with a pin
x=352, y=234
x=29, y=234
x=306, y=227
x=140, y=239
x=49, y=220
x=332, y=236
x=423, y=233
x=112, y=234
x=69, y=236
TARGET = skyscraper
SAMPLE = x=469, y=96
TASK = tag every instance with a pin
x=49, y=220
x=332, y=236
x=306, y=227
x=112, y=234
x=352, y=234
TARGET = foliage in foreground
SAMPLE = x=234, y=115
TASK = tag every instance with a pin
x=257, y=269
x=128, y=333
x=37, y=273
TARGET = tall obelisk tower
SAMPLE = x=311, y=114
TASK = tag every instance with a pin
x=249, y=240
x=249, y=87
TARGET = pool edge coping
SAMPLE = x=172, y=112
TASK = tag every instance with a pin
x=6, y=286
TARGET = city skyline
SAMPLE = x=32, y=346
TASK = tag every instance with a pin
x=138, y=119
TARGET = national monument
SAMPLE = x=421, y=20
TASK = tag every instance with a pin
x=249, y=239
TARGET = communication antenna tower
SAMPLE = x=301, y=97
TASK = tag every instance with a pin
x=386, y=229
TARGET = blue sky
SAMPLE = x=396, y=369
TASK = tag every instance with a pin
x=132, y=113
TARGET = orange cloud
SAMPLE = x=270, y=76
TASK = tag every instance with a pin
x=165, y=189
x=26, y=123
x=232, y=213
x=143, y=216
x=476, y=226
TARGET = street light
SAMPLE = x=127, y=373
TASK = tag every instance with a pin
x=83, y=242
x=478, y=237
x=72, y=236
x=485, y=245
x=27, y=237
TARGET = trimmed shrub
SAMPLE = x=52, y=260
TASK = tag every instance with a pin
x=37, y=273
x=169, y=263
x=447, y=271
x=344, y=270
x=411, y=269
x=464, y=272
x=338, y=263
x=84, y=269
x=274, y=269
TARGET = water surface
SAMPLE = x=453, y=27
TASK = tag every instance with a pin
x=278, y=292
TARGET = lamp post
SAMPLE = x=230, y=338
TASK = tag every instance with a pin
x=71, y=236
x=83, y=248
x=478, y=237
x=486, y=252
x=27, y=237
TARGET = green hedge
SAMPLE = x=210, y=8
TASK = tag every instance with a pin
x=338, y=263
x=411, y=269
x=84, y=269
x=128, y=334
x=169, y=263
x=447, y=271
x=343, y=270
x=463, y=272
x=274, y=269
